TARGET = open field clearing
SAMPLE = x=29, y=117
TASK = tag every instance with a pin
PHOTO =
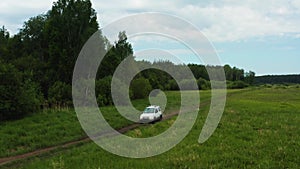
x=55, y=127
x=259, y=129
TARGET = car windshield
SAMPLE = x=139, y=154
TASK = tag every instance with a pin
x=149, y=110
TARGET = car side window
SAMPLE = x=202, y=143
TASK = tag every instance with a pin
x=156, y=111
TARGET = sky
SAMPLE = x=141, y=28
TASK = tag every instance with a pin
x=262, y=36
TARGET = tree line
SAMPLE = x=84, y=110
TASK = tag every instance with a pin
x=37, y=63
x=278, y=79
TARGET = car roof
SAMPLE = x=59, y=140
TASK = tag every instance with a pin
x=153, y=106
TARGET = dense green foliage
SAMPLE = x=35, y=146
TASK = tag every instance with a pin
x=59, y=94
x=278, y=79
x=140, y=88
x=237, y=85
x=41, y=57
x=18, y=96
x=115, y=55
x=37, y=63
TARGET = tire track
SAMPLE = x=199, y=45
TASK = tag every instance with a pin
x=7, y=160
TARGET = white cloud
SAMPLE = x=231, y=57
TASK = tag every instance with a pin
x=223, y=20
x=15, y=5
x=296, y=4
x=226, y=20
x=237, y=23
x=13, y=13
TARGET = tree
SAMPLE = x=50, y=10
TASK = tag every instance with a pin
x=10, y=87
x=278, y=79
x=203, y=84
x=115, y=55
x=250, y=77
x=140, y=88
x=69, y=25
x=32, y=35
x=4, y=38
x=228, y=72
x=199, y=71
x=238, y=74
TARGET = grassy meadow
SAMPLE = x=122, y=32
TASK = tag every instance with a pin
x=259, y=129
x=56, y=127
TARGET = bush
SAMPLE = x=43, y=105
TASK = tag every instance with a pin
x=121, y=93
x=101, y=100
x=30, y=98
x=267, y=85
x=203, y=84
x=173, y=85
x=140, y=88
x=60, y=95
x=237, y=85
x=17, y=97
x=188, y=84
x=103, y=91
x=280, y=86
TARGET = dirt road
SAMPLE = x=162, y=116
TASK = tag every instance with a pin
x=7, y=160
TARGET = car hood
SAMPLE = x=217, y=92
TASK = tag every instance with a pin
x=147, y=115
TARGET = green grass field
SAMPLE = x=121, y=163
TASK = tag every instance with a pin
x=55, y=127
x=259, y=129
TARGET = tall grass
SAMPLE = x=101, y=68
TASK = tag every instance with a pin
x=259, y=129
x=57, y=126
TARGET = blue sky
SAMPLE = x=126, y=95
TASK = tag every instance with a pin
x=263, y=36
x=274, y=55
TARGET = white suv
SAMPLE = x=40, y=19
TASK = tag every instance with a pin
x=151, y=114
